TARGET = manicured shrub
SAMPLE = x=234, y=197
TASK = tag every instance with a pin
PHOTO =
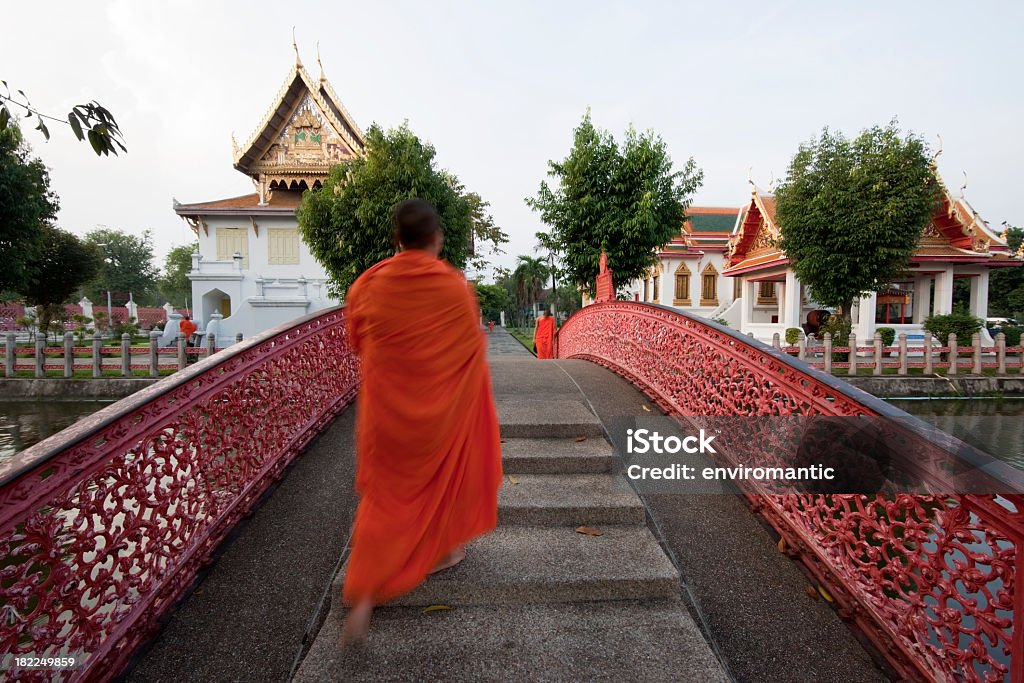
x=961, y=322
x=839, y=328
x=888, y=335
x=792, y=335
x=1012, y=333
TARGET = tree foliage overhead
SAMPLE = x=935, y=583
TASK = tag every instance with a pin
x=347, y=224
x=27, y=206
x=90, y=121
x=1006, y=285
x=127, y=267
x=173, y=283
x=625, y=199
x=530, y=278
x=851, y=212
x=63, y=264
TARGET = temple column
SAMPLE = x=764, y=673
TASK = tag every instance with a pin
x=746, y=304
x=792, y=303
x=944, y=292
x=979, y=295
x=922, y=298
x=781, y=290
x=864, y=322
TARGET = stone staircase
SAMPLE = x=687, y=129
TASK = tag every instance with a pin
x=536, y=599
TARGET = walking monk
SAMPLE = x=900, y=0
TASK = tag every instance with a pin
x=427, y=443
x=544, y=336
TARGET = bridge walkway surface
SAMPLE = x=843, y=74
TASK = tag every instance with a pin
x=677, y=587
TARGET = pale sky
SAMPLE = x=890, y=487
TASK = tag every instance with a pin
x=498, y=88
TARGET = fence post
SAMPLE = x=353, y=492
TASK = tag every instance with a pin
x=928, y=353
x=976, y=345
x=954, y=351
x=154, y=354
x=97, y=357
x=181, y=352
x=853, y=354
x=126, y=355
x=828, y=353
x=903, y=354
x=9, y=357
x=801, y=344
x=40, y=356
x=1001, y=353
x=211, y=344
x=69, y=355
x=877, y=341
x=775, y=341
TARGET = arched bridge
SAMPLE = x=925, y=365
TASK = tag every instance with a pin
x=108, y=531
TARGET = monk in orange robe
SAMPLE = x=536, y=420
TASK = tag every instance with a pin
x=544, y=336
x=427, y=441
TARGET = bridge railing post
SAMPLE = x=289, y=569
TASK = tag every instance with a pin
x=928, y=353
x=9, y=356
x=126, y=355
x=154, y=353
x=828, y=352
x=976, y=355
x=853, y=354
x=954, y=352
x=97, y=356
x=1001, y=353
x=41, y=355
x=69, y=355
x=903, y=354
x=877, y=343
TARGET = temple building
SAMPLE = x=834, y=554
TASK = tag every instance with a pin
x=252, y=270
x=726, y=265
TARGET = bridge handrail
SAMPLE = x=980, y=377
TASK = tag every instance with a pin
x=104, y=526
x=864, y=551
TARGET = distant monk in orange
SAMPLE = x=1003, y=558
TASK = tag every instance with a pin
x=544, y=336
x=427, y=443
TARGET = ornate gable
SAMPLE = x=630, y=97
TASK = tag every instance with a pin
x=306, y=131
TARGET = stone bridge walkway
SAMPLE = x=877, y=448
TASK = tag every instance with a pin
x=676, y=588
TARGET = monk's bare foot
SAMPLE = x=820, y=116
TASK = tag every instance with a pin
x=458, y=554
x=357, y=624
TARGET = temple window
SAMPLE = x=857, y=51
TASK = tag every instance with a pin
x=654, y=289
x=766, y=294
x=231, y=240
x=737, y=288
x=681, y=296
x=283, y=246
x=709, y=286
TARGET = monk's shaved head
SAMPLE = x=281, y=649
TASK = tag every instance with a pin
x=416, y=224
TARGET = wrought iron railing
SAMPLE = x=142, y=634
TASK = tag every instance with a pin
x=104, y=526
x=931, y=581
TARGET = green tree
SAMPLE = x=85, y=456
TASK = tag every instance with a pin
x=493, y=300
x=487, y=237
x=63, y=265
x=624, y=200
x=347, y=224
x=87, y=121
x=851, y=212
x=127, y=268
x=1006, y=285
x=173, y=283
x=27, y=205
x=529, y=278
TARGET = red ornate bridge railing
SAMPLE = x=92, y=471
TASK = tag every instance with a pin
x=104, y=526
x=931, y=581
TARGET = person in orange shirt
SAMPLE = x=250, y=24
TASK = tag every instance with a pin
x=427, y=441
x=187, y=328
x=544, y=336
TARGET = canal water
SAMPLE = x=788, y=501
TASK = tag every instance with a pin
x=24, y=423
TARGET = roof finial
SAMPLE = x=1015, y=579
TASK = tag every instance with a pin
x=771, y=182
x=749, y=178
x=964, y=186
x=298, y=62
x=319, y=62
x=938, y=151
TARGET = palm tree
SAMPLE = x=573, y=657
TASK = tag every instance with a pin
x=529, y=278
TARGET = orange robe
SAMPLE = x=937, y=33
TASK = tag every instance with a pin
x=544, y=337
x=427, y=442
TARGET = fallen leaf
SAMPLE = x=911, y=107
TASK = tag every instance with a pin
x=587, y=531
x=512, y=480
x=580, y=438
x=825, y=594
x=434, y=608
x=646, y=408
x=782, y=545
x=811, y=592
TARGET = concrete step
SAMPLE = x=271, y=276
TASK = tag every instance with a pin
x=650, y=640
x=556, y=456
x=568, y=500
x=561, y=417
x=519, y=564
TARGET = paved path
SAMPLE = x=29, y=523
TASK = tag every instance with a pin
x=533, y=601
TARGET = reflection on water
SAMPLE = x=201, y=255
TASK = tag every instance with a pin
x=24, y=423
x=992, y=424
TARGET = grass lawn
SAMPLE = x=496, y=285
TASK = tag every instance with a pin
x=523, y=335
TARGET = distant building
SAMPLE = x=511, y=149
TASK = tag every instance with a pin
x=252, y=270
